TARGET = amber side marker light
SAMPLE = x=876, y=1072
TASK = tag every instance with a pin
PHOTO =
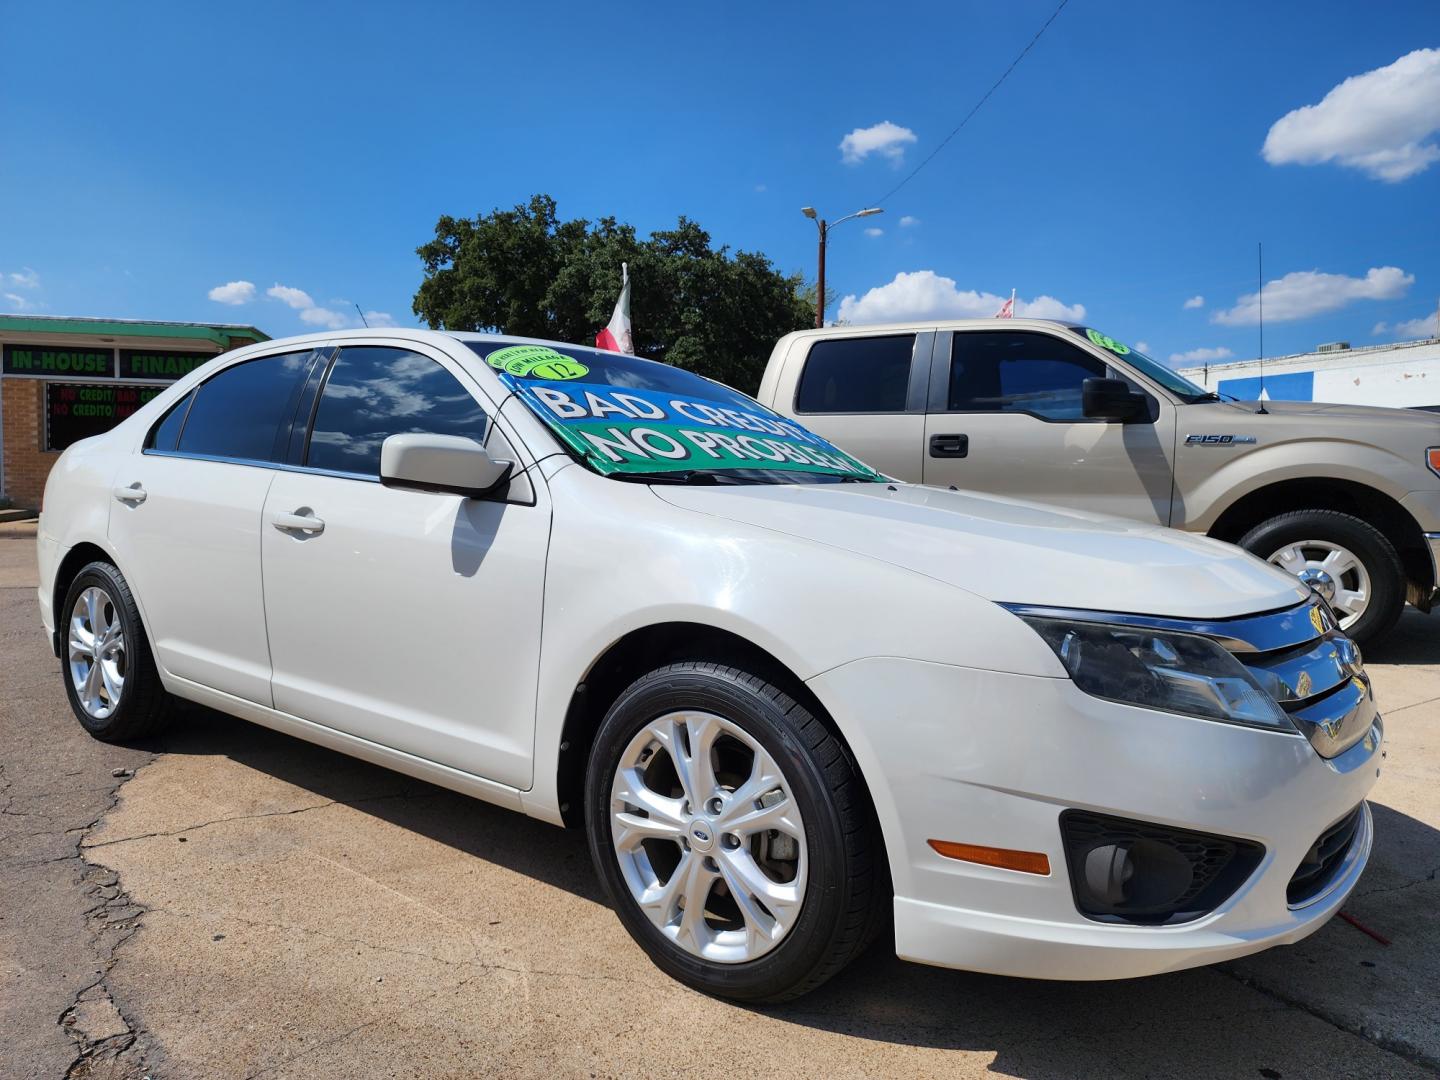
x=1432, y=458
x=1027, y=862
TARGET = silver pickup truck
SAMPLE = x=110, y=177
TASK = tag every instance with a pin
x=1347, y=498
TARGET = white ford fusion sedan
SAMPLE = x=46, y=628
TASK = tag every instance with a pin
x=787, y=699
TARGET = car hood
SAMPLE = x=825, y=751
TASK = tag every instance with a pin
x=1311, y=412
x=1010, y=551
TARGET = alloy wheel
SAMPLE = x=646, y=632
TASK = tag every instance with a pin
x=97, y=652
x=1333, y=571
x=709, y=836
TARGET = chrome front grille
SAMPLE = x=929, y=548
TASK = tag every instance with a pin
x=1321, y=682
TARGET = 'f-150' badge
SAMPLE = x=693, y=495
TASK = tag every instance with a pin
x=1218, y=440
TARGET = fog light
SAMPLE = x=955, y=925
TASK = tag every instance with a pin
x=1143, y=875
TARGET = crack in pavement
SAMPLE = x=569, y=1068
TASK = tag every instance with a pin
x=254, y=817
x=1387, y=889
x=1399, y=1047
x=93, y=1020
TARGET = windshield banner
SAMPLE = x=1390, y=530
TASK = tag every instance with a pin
x=622, y=430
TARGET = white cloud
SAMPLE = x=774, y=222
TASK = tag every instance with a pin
x=1143, y=346
x=1191, y=304
x=1303, y=293
x=296, y=298
x=18, y=302
x=873, y=231
x=319, y=316
x=1199, y=356
x=924, y=294
x=908, y=222
x=233, y=292
x=1411, y=329
x=1376, y=122
x=379, y=318
x=886, y=139
x=24, y=279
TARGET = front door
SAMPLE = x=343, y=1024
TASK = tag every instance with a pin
x=1005, y=418
x=410, y=619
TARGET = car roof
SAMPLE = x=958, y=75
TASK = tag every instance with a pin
x=911, y=325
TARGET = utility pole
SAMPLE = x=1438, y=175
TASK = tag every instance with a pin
x=825, y=227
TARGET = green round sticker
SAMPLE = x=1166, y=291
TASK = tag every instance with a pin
x=1107, y=342
x=536, y=362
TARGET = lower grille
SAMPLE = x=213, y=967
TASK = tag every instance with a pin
x=1325, y=855
x=1124, y=871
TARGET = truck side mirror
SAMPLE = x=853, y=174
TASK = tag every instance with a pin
x=1110, y=399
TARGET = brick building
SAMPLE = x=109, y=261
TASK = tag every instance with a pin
x=63, y=379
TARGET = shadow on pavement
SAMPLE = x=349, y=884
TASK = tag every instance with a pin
x=1415, y=640
x=1189, y=1023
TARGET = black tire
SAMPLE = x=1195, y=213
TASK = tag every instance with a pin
x=1367, y=543
x=847, y=897
x=143, y=705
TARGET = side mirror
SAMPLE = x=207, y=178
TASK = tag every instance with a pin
x=448, y=463
x=1110, y=399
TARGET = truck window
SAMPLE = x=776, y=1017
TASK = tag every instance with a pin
x=1014, y=371
x=856, y=375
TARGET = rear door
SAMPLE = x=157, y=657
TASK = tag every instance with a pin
x=1005, y=417
x=866, y=394
x=408, y=618
x=186, y=521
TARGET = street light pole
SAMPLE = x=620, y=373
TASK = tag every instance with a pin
x=820, y=282
x=825, y=227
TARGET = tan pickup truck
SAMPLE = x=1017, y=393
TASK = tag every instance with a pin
x=1345, y=497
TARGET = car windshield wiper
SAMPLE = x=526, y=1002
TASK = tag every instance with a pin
x=679, y=476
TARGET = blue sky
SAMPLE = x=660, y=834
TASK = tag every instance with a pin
x=148, y=159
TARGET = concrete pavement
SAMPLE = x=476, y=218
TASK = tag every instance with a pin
x=253, y=905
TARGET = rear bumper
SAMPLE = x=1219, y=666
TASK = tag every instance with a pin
x=994, y=759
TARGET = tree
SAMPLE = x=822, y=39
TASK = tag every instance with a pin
x=526, y=272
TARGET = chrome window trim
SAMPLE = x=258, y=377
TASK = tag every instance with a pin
x=280, y=466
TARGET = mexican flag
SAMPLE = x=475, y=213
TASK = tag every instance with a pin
x=616, y=337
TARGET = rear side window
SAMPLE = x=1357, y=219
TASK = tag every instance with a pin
x=857, y=375
x=1019, y=372
x=245, y=412
x=374, y=392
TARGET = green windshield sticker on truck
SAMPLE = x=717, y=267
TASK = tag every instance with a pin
x=536, y=362
x=1107, y=343
x=627, y=430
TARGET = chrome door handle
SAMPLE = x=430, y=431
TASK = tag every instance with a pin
x=134, y=494
x=297, y=522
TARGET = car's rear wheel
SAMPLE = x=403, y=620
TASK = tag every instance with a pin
x=732, y=832
x=1349, y=562
x=110, y=676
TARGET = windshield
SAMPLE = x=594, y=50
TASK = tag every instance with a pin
x=637, y=419
x=1171, y=380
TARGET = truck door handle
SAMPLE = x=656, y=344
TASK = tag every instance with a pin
x=301, y=521
x=949, y=445
x=134, y=495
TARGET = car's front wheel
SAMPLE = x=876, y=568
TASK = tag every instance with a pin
x=731, y=830
x=110, y=676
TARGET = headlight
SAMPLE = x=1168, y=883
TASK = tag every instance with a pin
x=1179, y=673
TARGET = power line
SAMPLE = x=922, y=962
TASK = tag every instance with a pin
x=1013, y=64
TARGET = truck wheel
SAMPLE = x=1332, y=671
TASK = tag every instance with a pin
x=731, y=831
x=110, y=676
x=1347, y=561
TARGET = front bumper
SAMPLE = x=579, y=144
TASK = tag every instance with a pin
x=993, y=759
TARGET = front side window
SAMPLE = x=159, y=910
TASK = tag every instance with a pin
x=634, y=419
x=857, y=375
x=244, y=412
x=1016, y=371
x=374, y=392
x=1171, y=380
